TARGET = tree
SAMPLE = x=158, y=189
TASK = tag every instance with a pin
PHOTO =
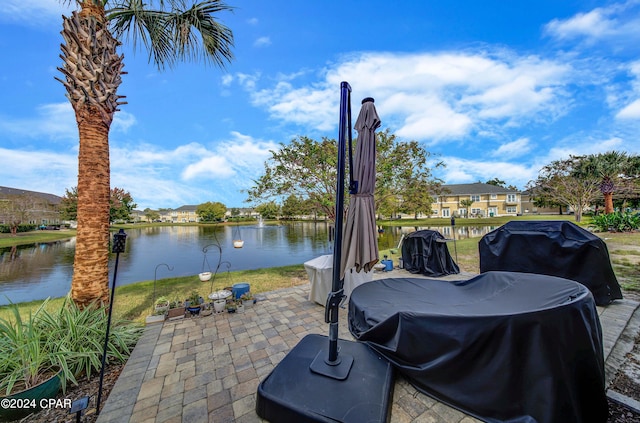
x=211, y=212
x=307, y=169
x=497, y=182
x=16, y=210
x=269, y=210
x=294, y=206
x=610, y=168
x=562, y=182
x=69, y=204
x=92, y=70
x=404, y=175
x=151, y=215
x=120, y=205
x=466, y=204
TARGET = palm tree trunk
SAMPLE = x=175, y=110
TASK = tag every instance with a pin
x=92, y=70
x=608, y=202
x=90, y=268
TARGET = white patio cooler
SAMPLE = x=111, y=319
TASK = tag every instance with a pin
x=320, y=272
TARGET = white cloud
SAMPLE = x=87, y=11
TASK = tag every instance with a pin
x=631, y=111
x=57, y=121
x=262, y=42
x=429, y=96
x=190, y=173
x=34, y=12
x=593, y=24
x=513, y=149
x=210, y=167
x=42, y=170
x=617, y=24
x=53, y=121
x=460, y=171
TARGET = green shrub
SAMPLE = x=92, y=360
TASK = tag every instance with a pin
x=69, y=339
x=82, y=331
x=5, y=229
x=616, y=222
x=27, y=354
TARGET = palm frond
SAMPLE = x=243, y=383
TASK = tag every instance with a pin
x=175, y=31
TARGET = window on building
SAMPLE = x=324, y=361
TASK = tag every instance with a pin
x=476, y=212
x=511, y=198
x=494, y=196
x=512, y=210
x=445, y=213
x=475, y=197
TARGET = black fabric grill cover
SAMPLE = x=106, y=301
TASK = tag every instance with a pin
x=426, y=252
x=503, y=346
x=556, y=248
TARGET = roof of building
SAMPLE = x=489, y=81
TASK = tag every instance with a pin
x=51, y=198
x=186, y=207
x=477, y=188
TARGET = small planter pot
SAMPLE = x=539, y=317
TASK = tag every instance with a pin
x=195, y=310
x=176, y=313
x=219, y=305
x=161, y=308
x=238, y=243
x=47, y=389
x=204, y=276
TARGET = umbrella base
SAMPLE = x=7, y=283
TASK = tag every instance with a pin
x=293, y=392
x=338, y=370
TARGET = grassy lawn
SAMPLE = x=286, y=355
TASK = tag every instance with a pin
x=22, y=238
x=135, y=301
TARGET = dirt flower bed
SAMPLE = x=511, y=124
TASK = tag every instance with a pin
x=85, y=388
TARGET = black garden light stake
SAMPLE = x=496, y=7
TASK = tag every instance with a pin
x=119, y=240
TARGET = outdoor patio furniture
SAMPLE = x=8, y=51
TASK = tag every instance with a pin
x=555, y=248
x=500, y=346
x=426, y=252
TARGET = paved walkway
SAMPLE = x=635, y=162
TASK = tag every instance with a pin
x=207, y=369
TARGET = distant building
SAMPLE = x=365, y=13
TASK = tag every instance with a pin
x=34, y=207
x=486, y=201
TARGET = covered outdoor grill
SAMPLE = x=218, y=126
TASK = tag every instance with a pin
x=503, y=346
x=426, y=252
x=556, y=248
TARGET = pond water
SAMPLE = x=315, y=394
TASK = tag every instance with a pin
x=37, y=271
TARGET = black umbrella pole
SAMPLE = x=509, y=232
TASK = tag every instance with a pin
x=106, y=338
x=335, y=297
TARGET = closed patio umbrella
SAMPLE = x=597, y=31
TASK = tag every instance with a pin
x=359, y=241
x=315, y=384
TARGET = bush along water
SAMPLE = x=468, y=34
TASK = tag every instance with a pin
x=617, y=222
x=69, y=340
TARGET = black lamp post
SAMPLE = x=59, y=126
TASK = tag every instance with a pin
x=119, y=240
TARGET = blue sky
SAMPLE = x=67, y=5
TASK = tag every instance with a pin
x=493, y=88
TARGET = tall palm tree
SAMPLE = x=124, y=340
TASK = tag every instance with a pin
x=171, y=31
x=609, y=167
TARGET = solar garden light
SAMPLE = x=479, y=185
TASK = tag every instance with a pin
x=117, y=247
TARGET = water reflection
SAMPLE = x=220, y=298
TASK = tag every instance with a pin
x=391, y=235
x=40, y=270
x=37, y=271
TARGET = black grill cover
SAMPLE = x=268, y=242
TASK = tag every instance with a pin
x=556, y=248
x=426, y=252
x=503, y=346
